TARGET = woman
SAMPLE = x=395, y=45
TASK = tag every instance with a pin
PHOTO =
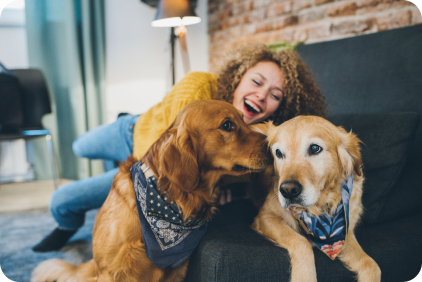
x=263, y=85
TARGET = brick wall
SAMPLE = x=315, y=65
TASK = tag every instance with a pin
x=234, y=22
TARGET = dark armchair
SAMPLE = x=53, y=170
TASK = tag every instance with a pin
x=24, y=100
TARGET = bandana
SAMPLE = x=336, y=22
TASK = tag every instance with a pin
x=169, y=241
x=328, y=233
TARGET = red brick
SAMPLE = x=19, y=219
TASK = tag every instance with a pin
x=263, y=27
x=235, y=22
x=248, y=29
x=261, y=3
x=317, y=32
x=394, y=20
x=255, y=16
x=301, y=4
x=344, y=9
x=416, y=16
x=311, y=15
x=350, y=26
x=247, y=6
x=375, y=6
x=278, y=9
x=320, y=2
x=223, y=15
x=285, y=21
x=284, y=35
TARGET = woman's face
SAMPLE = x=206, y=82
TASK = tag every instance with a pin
x=259, y=92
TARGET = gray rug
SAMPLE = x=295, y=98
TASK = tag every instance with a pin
x=20, y=231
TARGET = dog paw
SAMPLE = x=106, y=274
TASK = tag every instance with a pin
x=370, y=273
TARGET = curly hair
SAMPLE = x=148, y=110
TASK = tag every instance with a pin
x=301, y=95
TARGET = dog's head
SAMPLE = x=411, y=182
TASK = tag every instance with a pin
x=312, y=158
x=207, y=140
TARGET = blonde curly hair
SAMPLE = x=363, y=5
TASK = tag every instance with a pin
x=301, y=95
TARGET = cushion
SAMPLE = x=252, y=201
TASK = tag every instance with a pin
x=386, y=139
x=232, y=251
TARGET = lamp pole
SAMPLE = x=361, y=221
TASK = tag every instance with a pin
x=181, y=34
x=172, y=42
x=176, y=13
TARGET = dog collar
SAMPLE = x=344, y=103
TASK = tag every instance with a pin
x=168, y=240
x=327, y=233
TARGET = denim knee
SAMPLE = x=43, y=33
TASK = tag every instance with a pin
x=78, y=148
x=64, y=212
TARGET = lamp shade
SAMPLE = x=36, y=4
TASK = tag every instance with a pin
x=175, y=13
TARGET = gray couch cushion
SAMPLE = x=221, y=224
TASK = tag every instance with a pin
x=232, y=251
x=387, y=138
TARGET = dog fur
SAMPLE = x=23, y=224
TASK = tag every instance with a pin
x=207, y=140
x=321, y=176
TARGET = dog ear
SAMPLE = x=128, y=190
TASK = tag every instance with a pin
x=264, y=128
x=349, y=152
x=178, y=161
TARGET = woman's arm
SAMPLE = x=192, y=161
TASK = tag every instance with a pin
x=150, y=125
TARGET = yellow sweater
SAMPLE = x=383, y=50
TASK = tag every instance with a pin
x=150, y=125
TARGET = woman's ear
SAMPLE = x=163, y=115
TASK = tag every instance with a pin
x=349, y=152
x=178, y=162
x=264, y=128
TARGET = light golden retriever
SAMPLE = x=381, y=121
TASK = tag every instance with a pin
x=207, y=140
x=313, y=159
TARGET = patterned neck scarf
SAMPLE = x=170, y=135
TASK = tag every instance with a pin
x=328, y=233
x=169, y=241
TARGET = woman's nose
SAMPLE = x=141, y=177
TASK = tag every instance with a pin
x=260, y=95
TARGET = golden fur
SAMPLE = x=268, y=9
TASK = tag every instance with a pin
x=321, y=176
x=188, y=160
x=301, y=95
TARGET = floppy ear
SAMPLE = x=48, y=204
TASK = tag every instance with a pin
x=264, y=128
x=349, y=152
x=178, y=162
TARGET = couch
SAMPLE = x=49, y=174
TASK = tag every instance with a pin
x=373, y=86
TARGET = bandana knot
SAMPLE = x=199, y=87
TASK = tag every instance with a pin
x=328, y=233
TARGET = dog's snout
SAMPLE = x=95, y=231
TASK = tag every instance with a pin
x=290, y=189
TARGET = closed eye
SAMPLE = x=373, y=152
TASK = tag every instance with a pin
x=276, y=97
x=256, y=82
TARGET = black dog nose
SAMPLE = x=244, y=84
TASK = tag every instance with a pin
x=290, y=189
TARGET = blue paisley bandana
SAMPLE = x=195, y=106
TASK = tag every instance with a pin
x=169, y=241
x=328, y=233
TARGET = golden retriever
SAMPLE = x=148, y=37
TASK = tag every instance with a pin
x=313, y=160
x=207, y=140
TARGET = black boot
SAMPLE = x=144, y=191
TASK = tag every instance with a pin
x=55, y=241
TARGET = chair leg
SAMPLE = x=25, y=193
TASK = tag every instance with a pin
x=52, y=158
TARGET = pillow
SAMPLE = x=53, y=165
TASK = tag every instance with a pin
x=387, y=138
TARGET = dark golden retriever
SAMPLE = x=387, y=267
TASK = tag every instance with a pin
x=315, y=199
x=207, y=140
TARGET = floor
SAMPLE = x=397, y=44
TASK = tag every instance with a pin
x=21, y=196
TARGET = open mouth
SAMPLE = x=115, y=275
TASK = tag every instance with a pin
x=251, y=108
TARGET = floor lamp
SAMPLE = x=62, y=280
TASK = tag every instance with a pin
x=176, y=14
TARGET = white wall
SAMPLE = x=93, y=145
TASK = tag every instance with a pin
x=14, y=55
x=138, y=73
x=13, y=46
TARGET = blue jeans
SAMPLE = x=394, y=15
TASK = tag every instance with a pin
x=113, y=142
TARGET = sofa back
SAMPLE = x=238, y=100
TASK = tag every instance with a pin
x=373, y=73
x=373, y=86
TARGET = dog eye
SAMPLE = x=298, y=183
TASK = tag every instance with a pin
x=228, y=126
x=314, y=149
x=279, y=154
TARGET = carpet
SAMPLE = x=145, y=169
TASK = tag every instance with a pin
x=20, y=231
